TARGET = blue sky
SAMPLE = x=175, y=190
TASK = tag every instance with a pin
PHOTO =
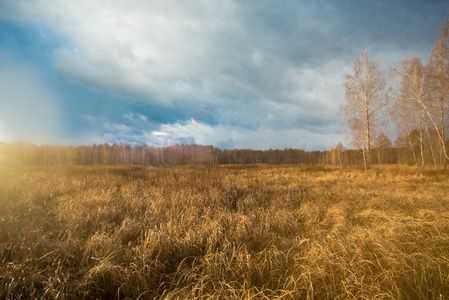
x=233, y=74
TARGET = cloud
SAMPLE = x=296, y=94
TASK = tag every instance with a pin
x=154, y=52
x=166, y=52
x=222, y=136
x=241, y=138
x=240, y=70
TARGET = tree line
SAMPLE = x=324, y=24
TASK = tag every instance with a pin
x=415, y=100
x=105, y=154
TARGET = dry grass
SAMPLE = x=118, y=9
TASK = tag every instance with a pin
x=238, y=232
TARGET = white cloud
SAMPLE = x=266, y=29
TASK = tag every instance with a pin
x=143, y=118
x=170, y=134
x=238, y=137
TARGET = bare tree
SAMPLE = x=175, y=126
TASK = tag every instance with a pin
x=366, y=101
x=403, y=112
x=414, y=85
x=382, y=143
x=438, y=83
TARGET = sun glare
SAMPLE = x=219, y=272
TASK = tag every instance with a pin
x=2, y=134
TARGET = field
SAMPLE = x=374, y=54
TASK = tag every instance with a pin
x=235, y=232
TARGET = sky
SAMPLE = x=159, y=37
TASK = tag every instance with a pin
x=232, y=74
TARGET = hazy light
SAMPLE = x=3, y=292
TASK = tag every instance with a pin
x=3, y=135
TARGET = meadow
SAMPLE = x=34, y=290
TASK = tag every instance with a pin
x=223, y=232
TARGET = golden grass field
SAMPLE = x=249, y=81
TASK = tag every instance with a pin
x=223, y=232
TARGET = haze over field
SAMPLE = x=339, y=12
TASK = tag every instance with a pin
x=265, y=74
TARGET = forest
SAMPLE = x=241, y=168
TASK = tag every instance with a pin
x=145, y=155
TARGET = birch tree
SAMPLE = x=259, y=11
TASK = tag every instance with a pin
x=366, y=102
x=438, y=82
x=413, y=86
x=414, y=83
x=403, y=113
